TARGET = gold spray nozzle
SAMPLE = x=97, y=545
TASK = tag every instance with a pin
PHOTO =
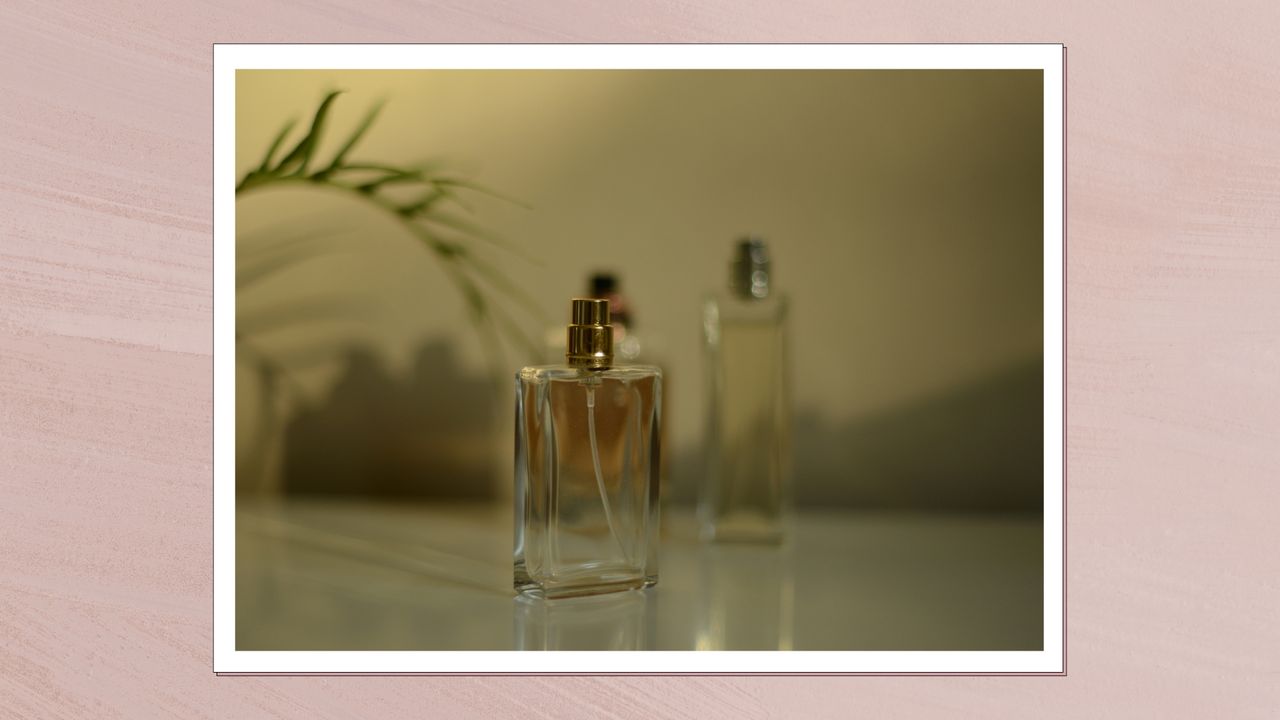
x=590, y=340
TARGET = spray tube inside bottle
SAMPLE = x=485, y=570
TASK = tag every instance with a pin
x=589, y=347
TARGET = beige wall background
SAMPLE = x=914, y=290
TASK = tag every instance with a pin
x=903, y=210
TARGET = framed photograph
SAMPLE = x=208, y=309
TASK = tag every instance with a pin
x=782, y=329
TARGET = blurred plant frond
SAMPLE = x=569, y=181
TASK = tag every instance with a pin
x=257, y=261
x=418, y=197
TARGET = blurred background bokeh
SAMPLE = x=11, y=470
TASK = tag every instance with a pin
x=903, y=210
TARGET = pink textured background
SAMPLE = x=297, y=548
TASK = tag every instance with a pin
x=1173, y=359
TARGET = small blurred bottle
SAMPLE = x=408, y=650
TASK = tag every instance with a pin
x=745, y=491
x=626, y=343
x=627, y=346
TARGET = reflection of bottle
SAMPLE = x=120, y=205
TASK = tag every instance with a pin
x=745, y=598
x=606, y=622
x=586, y=475
x=744, y=494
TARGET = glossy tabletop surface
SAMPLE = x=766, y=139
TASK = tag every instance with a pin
x=358, y=575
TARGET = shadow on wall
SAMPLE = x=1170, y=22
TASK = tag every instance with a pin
x=976, y=447
x=428, y=435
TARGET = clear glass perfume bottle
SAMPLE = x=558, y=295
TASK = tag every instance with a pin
x=586, y=467
x=745, y=492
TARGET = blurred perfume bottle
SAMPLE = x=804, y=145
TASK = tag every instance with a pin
x=626, y=343
x=745, y=490
x=620, y=621
x=586, y=467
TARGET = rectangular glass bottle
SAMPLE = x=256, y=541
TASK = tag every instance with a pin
x=746, y=490
x=586, y=474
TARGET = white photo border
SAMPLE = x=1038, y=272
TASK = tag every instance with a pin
x=228, y=58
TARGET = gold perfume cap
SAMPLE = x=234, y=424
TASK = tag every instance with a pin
x=590, y=340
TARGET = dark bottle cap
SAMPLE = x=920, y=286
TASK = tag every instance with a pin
x=603, y=284
x=749, y=274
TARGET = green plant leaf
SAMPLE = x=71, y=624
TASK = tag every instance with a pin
x=469, y=229
x=302, y=152
x=503, y=284
x=422, y=205
x=275, y=145
x=421, y=218
x=454, y=182
x=351, y=141
x=388, y=179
